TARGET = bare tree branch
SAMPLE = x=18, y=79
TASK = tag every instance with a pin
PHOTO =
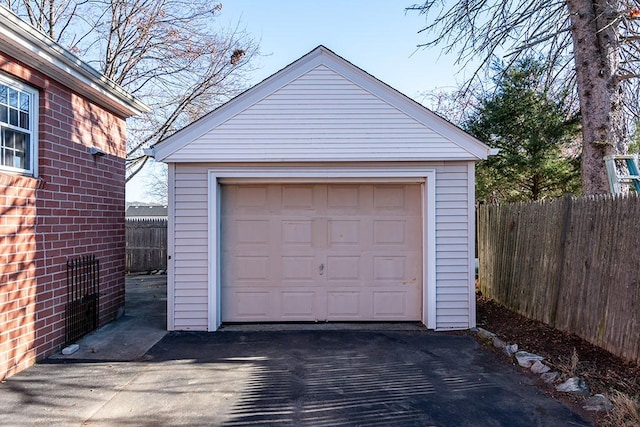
x=168, y=53
x=591, y=46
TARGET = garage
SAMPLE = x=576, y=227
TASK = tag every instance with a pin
x=321, y=252
x=320, y=194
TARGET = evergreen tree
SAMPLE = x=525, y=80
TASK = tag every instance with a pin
x=534, y=134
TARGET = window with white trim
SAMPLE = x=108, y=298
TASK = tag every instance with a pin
x=18, y=123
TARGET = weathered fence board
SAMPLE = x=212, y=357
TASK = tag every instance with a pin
x=146, y=244
x=573, y=263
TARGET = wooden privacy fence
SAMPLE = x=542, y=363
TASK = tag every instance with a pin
x=146, y=244
x=573, y=263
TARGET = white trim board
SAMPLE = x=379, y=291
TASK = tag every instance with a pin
x=171, y=197
x=426, y=176
x=471, y=206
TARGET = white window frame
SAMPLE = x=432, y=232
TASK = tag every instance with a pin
x=33, y=125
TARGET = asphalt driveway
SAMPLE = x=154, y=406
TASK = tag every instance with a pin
x=282, y=378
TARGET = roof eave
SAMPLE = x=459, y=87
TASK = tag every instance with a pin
x=25, y=43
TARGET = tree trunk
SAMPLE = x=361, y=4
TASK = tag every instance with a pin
x=535, y=187
x=596, y=55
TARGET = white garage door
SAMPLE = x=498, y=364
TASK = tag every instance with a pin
x=317, y=252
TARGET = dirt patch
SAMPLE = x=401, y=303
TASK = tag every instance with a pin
x=571, y=355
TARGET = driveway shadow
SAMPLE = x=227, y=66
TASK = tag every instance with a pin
x=368, y=378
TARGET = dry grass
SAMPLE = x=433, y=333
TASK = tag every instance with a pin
x=626, y=409
x=625, y=413
x=573, y=363
x=572, y=356
x=568, y=366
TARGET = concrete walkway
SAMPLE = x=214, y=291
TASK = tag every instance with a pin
x=314, y=375
x=143, y=324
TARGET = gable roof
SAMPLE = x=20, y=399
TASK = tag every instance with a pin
x=264, y=123
x=22, y=41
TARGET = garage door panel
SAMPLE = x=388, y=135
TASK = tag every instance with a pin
x=402, y=200
x=254, y=268
x=251, y=231
x=389, y=268
x=343, y=268
x=344, y=199
x=321, y=252
x=297, y=232
x=296, y=197
x=389, y=231
x=249, y=197
x=298, y=305
x=390, y=198
x=344, y=232
x=297, y=268
x=344, y=305
x=249, y=304
x=389, y=305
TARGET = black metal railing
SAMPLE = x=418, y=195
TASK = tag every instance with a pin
x=82, y=311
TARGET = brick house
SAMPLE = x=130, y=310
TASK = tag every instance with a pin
x=62, y=188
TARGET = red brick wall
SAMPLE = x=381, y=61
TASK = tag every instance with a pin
x=75, y=207
x=17, y=273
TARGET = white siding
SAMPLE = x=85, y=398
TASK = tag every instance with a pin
x=322, y=116
x=190, y=248
x=452, y=246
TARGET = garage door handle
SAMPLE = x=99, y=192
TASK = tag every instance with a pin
x=321, y=269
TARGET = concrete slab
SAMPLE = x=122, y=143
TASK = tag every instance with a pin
x=323, y=326
x=143, y=324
